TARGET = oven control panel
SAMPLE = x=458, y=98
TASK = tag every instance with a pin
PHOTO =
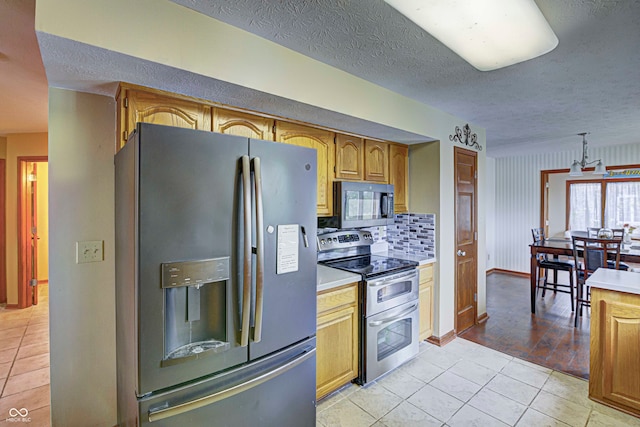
x=344, y=239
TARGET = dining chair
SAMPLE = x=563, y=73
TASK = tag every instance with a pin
x=553, y=264
x=592, y=232
x=589, y=254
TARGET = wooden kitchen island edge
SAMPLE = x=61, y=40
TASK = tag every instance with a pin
x=615, y=340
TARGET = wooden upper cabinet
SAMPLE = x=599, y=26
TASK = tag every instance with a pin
x=349, y=157
x=322, y=142
x=376, y=161
x=399, y=176
x=163, y=110
x=242, y=124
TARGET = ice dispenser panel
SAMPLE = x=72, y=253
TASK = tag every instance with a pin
x=195, y=295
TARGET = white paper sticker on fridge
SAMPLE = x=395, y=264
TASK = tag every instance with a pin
x=287, y=255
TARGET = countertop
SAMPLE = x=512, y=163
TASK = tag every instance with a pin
x=329, y=278
x=332, y=277
x=615, y=280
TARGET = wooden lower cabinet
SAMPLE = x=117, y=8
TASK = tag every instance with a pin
x=614, y=375
x=337, y=338
x=426, y=301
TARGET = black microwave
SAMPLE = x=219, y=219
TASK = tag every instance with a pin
x=362, y=204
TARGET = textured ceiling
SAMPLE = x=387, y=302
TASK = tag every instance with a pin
x=590, y=82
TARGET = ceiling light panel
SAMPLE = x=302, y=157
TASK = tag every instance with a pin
x=488, y=34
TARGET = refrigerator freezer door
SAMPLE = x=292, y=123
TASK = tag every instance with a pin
x=288, y=181
x=276, y=391
x=189, y=198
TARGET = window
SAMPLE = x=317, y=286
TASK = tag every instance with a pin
x=585, y=201
x=603, y=203
x=622, y=204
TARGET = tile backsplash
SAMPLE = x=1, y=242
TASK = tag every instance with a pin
x=413, y=233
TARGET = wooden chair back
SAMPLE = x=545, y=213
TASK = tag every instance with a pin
x=595, y=253
x=538, y=234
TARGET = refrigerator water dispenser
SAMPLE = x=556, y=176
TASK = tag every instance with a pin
x=195, y=296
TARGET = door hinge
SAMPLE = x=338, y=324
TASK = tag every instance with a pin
x=125, y=102
x=475, y=297
x=475, y=235
x=334, y=169
x=475, y=174
x=546, y=185
x=273, y=129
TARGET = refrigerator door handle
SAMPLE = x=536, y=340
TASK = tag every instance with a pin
x=257, y=332
x=160, y=414
x=246, y=282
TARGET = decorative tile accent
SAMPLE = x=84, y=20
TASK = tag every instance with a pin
x=413, y=233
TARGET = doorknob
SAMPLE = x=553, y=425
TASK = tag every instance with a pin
x=461, y=253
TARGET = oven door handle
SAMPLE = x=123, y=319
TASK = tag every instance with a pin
x=385, y=282
x=411, y=309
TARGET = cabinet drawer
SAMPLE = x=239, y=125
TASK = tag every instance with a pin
x=335, y=298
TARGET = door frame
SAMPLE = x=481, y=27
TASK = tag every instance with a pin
x=474, y=154
x=3, y=231
x=24, y=291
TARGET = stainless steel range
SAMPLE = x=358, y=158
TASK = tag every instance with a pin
x=388, y=300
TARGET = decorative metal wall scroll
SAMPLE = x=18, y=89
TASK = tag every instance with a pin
x=470, y=139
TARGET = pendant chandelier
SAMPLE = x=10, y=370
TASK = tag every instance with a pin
x=577, y=166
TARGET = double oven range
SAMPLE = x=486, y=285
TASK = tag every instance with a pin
x=388, y=295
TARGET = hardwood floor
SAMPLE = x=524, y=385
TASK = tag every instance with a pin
x=547, y=338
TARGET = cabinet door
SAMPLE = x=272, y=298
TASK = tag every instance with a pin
x=337, y=350
x=349, y=158
x=619, y=350
x=153, y=108
x=426, y=302
x=376, y=161
x=242, y=124
x=399, y=176
x=322, y=142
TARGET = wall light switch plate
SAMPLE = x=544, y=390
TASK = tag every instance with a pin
x=89, y=251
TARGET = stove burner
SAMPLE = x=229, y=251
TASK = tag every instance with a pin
x=372, y=265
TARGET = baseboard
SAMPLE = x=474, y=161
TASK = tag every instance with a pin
x=509, y=272
x=482, y=318
x=443, y=340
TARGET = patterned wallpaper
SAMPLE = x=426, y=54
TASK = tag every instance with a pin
x=517, y=197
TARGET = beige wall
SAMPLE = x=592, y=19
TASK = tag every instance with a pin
x=82, y=134
x=43, y=221
x=81, y=296
x=3, y=147
x=18, y=145
x=223, y=52
x=432, y=189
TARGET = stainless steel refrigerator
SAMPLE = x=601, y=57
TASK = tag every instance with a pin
x=215, y=280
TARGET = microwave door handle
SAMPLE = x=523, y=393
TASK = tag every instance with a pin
x=384, y=206
x=246, y=281
x=257, y=174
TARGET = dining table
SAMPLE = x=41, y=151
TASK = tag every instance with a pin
x=563, y=246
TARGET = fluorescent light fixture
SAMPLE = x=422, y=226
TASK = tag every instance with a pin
x=488, y=34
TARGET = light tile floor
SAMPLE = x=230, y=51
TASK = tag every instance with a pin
x=465, y=384
x=460, y=384
x=24, y=364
